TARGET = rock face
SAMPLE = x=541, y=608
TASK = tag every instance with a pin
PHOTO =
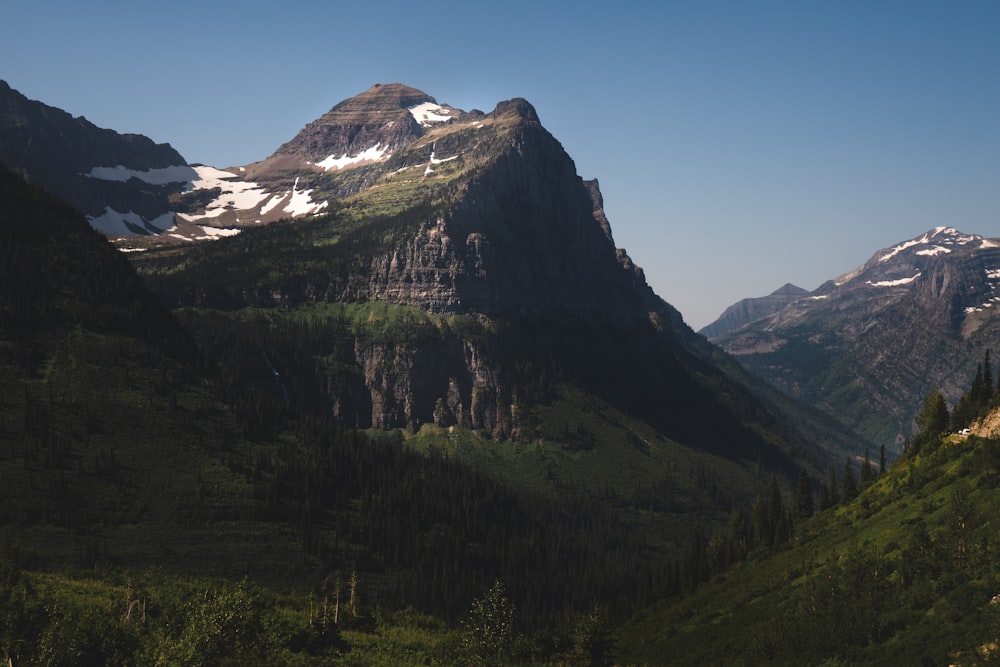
x=51, y=148
x=871, y=344
x=746, y=311
x=378, y=117
x=499, y=265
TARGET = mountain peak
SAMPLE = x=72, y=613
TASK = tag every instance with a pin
x=935, y=241
x=519, y=107
x=369, y=126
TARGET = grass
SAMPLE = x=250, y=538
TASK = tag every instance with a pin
x=941, y=615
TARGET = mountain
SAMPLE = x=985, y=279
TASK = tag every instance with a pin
x=123, y=448
x=462, y=275
x=71, y=157
x=870, y=345
x=750, y=310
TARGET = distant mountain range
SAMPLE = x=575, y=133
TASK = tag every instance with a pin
x=869, y=345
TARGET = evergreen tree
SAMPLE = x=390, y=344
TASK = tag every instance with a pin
x=881, y=459
x=830, y=497
x=849, y=486
x=988, y=388
x=866, y=471
x=932, y=420
x=803, y=497
x=978, y=387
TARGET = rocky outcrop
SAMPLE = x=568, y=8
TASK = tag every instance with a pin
x=447, y=382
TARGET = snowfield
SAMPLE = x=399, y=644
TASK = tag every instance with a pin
x=429, y=113
x=373, y=154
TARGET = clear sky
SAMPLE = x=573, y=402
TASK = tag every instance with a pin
x=740, y=145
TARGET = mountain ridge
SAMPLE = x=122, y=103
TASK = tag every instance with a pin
x=871, y=343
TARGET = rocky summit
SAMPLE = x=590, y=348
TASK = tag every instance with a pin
x=870, y=344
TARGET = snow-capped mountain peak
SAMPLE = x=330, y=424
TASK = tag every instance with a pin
x=934, y=242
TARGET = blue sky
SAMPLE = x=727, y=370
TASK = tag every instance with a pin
x=739, y=145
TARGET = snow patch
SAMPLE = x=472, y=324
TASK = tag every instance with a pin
x=302, y=203
x=429, y=113
x=218, y=232
x=373, y=154
x=988, y=244
x=434, y=160
x=948, y=235
x=893, y=283
x=934, y=250
x=818, y=298
x=993, y=274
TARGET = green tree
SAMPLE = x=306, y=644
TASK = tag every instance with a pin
x=804, y=506
x=867, y=475
x=225, y=626
x=848, y=485
x=594, y=641
x=488, y=631
x=932, y=420
x=988, y=388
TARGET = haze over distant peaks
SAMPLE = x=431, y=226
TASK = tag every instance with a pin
x=872, y=342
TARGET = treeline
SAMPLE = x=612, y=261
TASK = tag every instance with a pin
x=431, y=533
x=770, y=523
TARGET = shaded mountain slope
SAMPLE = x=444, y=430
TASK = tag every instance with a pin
x=122, y=447
x=870, y=345
x=59, y=152
x=481, y=224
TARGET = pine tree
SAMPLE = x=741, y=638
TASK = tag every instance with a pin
x=775, y=512
x=881, y=459
x=849, y=487
x=988, y=388
x=866, y=471
x=803, y=497
x=978, y=387
x=932, y=419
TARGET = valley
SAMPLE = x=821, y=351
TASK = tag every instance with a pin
x=357, y=401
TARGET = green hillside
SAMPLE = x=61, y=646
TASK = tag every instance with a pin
x=906, y=573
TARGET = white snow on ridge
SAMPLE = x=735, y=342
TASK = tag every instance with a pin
x=429, y=113
x=952, y=237
x=993, y=274
x=235, y=195
x=434, y=160
x=979, y=309
x=934, y=250
x=302, y=203
x=893, y=283
x=373, y=154
x=988, y=244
